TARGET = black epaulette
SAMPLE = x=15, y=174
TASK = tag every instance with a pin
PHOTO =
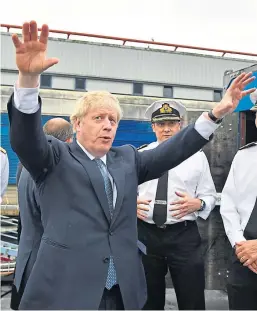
x=248, y=145
x=141, y=147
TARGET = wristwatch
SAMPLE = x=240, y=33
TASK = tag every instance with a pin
x=213, y=118
x=203, y=205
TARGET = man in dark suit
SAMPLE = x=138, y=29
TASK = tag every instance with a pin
x=30, y=228
x=18, y=174
x=89, y=257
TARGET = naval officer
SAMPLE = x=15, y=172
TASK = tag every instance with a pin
x=239, y=213
x=167, y=218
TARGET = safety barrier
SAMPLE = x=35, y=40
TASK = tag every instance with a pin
x=68, y=33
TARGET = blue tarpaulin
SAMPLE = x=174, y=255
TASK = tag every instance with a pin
x=246, y=103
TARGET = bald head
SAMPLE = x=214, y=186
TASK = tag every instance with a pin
x=59, y=128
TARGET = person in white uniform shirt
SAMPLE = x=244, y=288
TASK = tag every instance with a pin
x=239, y=213
x=167, y=213
x=4, y=172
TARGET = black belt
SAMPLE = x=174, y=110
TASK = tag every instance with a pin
x=168, y=226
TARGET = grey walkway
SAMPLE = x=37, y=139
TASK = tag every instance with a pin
x=215, y=300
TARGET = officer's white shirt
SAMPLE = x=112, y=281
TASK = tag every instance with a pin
x=4, y=173
x=192, y=176
x=239, y=194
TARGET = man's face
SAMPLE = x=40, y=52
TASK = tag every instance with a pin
x=165, y=129
x=96, y=131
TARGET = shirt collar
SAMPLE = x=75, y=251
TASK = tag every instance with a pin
x=91, y=157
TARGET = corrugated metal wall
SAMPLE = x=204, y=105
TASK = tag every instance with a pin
x=121, y=62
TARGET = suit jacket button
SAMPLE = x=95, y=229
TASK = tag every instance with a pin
x=106, y=259
x=110, y=232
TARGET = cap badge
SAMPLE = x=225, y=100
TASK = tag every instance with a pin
x=165, y=108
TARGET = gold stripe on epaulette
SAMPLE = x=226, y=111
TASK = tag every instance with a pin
x=2, y=150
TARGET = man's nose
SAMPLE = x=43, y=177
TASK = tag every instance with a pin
x=107, y=124
x=167, y=128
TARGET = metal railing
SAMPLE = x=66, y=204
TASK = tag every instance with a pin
x=131, y=40
x=9, y=244
x=5, y=220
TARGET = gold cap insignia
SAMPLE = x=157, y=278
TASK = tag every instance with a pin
x=165, y=108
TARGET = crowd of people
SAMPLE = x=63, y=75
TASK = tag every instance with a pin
x=123, y=216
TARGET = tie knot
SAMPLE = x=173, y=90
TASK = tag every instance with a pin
x=100, y=163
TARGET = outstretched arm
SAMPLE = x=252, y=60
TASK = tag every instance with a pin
x=153, y=163
x=24, y=107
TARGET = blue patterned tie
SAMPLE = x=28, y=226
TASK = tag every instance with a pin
x=111, y=277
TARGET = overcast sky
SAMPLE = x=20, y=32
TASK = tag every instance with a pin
x=224, y=24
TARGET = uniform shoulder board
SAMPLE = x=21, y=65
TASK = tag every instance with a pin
x=141, y=147
x=248, y=145
x=2, y=150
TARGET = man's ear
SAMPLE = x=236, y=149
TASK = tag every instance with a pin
x=153, y=127
x=77, y=124
x=69, y=140
x=182, y=123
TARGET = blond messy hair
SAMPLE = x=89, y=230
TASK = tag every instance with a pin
x=95, y=99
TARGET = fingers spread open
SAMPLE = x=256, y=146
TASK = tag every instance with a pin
x=44, y=34
x=246, y=92
x=33, y=31
x=16, y=41
x=25, y=32
x=50, y=62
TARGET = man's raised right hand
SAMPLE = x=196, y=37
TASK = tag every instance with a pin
x=31, y=54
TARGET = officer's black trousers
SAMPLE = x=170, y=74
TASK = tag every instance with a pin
x=242, y=287
x=177, y=248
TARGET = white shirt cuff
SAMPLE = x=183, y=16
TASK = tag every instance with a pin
x=236, y=237
x=205, y=127
x=204, y=214
x=26, y=100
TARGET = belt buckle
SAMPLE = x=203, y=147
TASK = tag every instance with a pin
x=162, y=226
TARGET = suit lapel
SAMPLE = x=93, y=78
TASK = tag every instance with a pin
x=116, y=169
x=94, y=175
